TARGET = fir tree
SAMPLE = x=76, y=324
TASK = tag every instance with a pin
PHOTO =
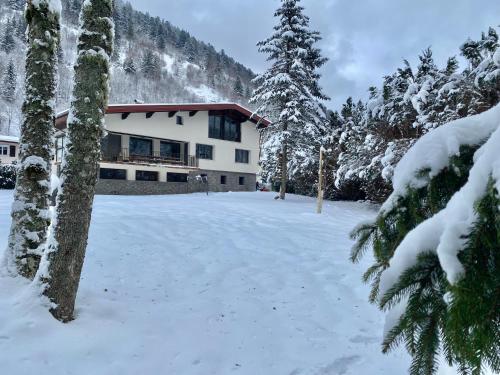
x=129, y=65
x=9, y=83
x=30, y=218
x=64, y=256
x=238, y=87
x=288, y=91
x=150, y=65
x=8, y=42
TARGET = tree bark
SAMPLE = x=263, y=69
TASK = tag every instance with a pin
x=30, y=217
x=284, y=170
x=65, y=255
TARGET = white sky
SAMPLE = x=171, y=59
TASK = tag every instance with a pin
x=364, y=39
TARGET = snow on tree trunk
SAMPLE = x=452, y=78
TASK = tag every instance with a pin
x=30, y=218
x=63, y=260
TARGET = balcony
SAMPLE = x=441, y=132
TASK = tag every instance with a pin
x=155, y=157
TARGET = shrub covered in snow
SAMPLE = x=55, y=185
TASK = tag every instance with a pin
x=436, y=243
x=7, y=176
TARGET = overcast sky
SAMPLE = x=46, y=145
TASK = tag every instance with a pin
x=364, y=39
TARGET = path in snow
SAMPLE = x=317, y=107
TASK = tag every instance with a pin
x=196, y=285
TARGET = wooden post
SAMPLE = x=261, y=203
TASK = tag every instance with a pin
x=320, y=181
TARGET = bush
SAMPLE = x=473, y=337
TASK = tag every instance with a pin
x=7, y=176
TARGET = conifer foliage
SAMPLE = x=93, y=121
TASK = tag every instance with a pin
x=288, y=92
x=436, y=238
x=64, y=256
x=30, y=218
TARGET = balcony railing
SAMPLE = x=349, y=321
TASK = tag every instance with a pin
x=155, y=158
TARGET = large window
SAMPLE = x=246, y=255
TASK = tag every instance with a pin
x=222, y=126
x=111, y=147
x=170, y=150
x=242, y=156
x=140, y=146
x=146, y=176
x=177, y=177
x=112, y=174
x=204, y=152
x=12, y=151
x=4, y=150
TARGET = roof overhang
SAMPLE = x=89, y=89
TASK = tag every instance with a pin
x=149, y=109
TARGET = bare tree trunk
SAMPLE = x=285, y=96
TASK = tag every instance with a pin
x=284, y=170
x=30, y=218
x=65, y=255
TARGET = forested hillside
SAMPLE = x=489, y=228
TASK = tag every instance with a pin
x=153, y=61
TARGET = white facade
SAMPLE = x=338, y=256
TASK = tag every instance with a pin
x=9, y=149
x=188, y=128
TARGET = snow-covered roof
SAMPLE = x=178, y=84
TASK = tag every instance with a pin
x=8, y=138
x=158, y=107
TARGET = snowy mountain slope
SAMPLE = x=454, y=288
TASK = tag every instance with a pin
x=192, y=284
x=153, y=62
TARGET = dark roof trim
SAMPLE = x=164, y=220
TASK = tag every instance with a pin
x=148, y=108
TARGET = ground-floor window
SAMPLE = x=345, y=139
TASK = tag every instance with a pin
x=241, y=180
x=242, y=156
x=177, y=177
x=112, y=174
x=4, y=150
x=146, y=176
x=223, y=180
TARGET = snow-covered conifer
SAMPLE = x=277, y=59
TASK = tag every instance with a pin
x=289, y=90
x=30, y=217
x=9, y=83
x=63, y=259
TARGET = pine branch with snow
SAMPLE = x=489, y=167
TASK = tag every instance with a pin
x=435, y=243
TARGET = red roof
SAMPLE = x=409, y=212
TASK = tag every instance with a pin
x=150, y=108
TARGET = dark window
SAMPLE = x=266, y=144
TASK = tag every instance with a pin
x=177, y=177
x=170, y=150
x=112, y=174
x=204, y=152
x=223, y=180
x=4, y=150
x=222, y=126
x=59, y=148
x=241, y=180
x=111, y=147
x=242, y=156
x=141, y=146
x=12, y=151
x=179, y=120
x=146, y=176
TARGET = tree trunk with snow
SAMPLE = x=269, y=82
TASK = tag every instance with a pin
x=30, y=218
x=63, y=261
x=284, y=170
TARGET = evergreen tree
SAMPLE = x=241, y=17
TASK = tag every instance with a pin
x=8, y=42
x=129, y=65
x=9, y=83
x=67, y=244
x=30, y=217
x=238, y=87
x=151, y=65
x=288, y=91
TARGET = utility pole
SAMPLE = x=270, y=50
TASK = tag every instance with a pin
x=320, y=180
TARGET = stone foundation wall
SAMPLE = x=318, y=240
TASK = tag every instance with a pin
x=194, y=185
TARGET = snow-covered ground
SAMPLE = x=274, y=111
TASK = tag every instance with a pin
x=196, y=285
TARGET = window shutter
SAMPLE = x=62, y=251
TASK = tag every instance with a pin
x=13, y=151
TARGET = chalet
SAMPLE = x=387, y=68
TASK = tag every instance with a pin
x=175, y=148
x=9, y=149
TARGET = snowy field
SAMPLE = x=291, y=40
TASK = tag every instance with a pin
x=233, y=283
